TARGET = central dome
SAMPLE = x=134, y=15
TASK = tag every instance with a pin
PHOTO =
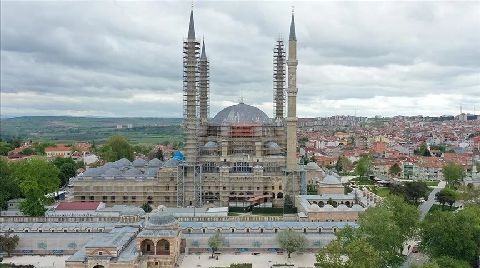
x=240, y=113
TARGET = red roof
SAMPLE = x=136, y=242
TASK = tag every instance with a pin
x=78, y=206
x=58, y=148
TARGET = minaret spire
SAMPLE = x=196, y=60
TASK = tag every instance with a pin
x=203, y=55
x=292, y=35
x=191, y=27
x=203, y=86
x=191, y=49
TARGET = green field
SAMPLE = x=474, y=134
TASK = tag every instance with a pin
x=65, y=129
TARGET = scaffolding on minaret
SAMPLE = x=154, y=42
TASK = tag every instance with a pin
x=279, y=61
x=191, y=48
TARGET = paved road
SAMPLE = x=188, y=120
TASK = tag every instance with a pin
x=427, y=205
x=424, y=208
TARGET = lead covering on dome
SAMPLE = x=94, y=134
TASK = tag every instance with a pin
x=139, y=162
x=240, y=113
x=160, y=219
x=330, y=179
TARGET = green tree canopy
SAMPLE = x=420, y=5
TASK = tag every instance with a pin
x=454, y=235
x=291, y=241
x=36, y=178
x=395, y=170
x=67, y=168
x=453, y=173
x=343, y=164
x=422, y=150
x=8, y=242
x=447, y=195
x=146, y=207
x=9, y=188
x=117, y=147
x=215, y=241
x=412, y=191
x=363, y=166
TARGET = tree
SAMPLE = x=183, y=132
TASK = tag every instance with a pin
x=159, y=155
x=117, y=147
x=406, y=216
x=422, y=150
x=363, y=166
x=395, y=170
x=343, y=164
x=378, y=227
x=67, y=167
x=40, y=148
x=215, y=241
x=453, y=173
x=454, y=235
x=9, y=188
x=447, y=195
x=8, y=243
x=357, y=254
x=291, y=241
x=412, y=190
x=5, y=147
x=36, y=178
x=331, y=256
x=146, y=207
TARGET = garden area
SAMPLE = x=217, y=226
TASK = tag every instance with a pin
x=363, y=181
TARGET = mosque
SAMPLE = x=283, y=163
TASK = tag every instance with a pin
x=240, y=157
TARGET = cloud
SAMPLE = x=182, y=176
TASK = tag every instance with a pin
x=125, y=58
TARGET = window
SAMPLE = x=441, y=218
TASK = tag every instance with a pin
x=261, y=230
x=92, y=198
x=304, y=230
x=203, y=230
x=248, y=230
x=276, y=230
x=233, y=230
x=125, y=197
x=280, y=187
x=100, y=253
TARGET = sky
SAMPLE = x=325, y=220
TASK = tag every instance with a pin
x=124, y=59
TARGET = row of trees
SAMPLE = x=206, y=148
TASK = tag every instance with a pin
x=118, y=147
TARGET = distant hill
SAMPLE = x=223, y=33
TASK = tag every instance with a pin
x=70, y=129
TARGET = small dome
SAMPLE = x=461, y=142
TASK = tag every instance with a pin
x=171, y=163
x=314, y=207
x=139, y=162
x=110, y=165
x=112, y=172
x=161, y=219
x=133, y=172
x=330, y=179
x=312, y=166
x=123, y=162
x=342, y=207
x=240, y=113
x=154, y=163
x=210, y=145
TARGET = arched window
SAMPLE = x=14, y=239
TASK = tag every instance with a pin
x=163, y=247
x=147, y=247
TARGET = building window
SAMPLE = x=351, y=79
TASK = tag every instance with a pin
x=248, y=230
x=261, y=230
x=276, y=230
x=92, y=198
x=304, y=230
x=233, y=230
x=203, y=230
x=125, y=197
x=100, y=253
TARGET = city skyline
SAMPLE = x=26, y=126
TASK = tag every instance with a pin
x=122, y=59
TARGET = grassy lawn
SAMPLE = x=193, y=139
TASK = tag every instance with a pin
x=234, y=214
x=432, y=183
x=382, y=191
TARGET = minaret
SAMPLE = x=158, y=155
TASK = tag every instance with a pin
x=203, y=86
x=190, y=58
x=292, y=99
x=279, y=80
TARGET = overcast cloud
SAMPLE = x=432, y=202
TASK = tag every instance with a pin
x=115, y=58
